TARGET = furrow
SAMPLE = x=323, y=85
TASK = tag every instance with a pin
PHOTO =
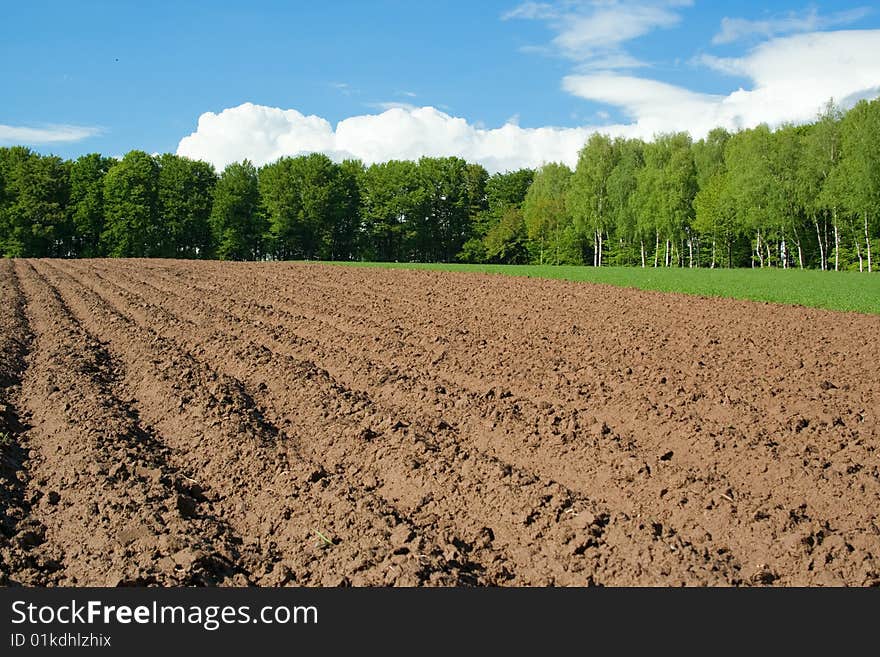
x=537, y=514
x=284, y=503
x=111, y=509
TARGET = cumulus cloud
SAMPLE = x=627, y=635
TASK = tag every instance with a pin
x=737, y=29
x=593, y=32
x=792, y=77
x=263, y=134
x=10, y=134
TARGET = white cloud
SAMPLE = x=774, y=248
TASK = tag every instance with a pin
x=593, y=32
x=10, y=134
x=263, y=134
x=259, y=133
x=532, y=10
x=792, y=78
x=609, y=26
x=736, y=29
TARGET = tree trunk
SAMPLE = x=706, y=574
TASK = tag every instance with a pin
x=656, y=248
x=836, y=241
x=767, y=246
x=642, y=242
x=759, y=252
x=821, y=247
x=868, y=242
x=712, y=266
x=600, y=247
x=666, y=259
x=595, y=250
x=690, y=253
x=858, y=243
x=782, y=254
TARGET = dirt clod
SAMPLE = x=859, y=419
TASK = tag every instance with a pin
x=199, y=423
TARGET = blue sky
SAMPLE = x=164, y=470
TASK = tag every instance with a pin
x=477, y=79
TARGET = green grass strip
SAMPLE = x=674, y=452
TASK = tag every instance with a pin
x=843, y=291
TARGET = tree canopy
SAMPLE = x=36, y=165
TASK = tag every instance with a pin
x=797, y=196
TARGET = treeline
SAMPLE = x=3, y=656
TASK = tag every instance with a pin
x=800, y=196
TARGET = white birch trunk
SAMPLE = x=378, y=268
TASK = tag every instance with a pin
x=858, y=243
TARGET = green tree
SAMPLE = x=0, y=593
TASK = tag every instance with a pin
x=750, y=184
x=186, y=189
x=308, y=204
x=86, y=206
x=784, y=162
x=548, y=220
x=507, y=241
x=131, y=208
x=713, y=213
x=680, y=187
x=392, y=207
x=587, y=198
x=34, y=219
x=345, y=234
x=664, y=195
x=476, y=179
x=708, y=155
x=621, y=187
x=503, y=192
x=444, y=224
x=821, y=152
x=235, y=218
x=860, y=168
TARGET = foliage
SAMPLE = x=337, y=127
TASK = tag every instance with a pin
x=131, y=208
x=235, y=220
x=796, y=197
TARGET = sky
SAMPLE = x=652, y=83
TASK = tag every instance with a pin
x=504, y=83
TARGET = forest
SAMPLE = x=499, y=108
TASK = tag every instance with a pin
x=800, y=196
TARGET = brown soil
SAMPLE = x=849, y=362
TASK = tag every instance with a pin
x=203, y=423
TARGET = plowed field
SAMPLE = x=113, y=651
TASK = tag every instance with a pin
x=171, y=423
